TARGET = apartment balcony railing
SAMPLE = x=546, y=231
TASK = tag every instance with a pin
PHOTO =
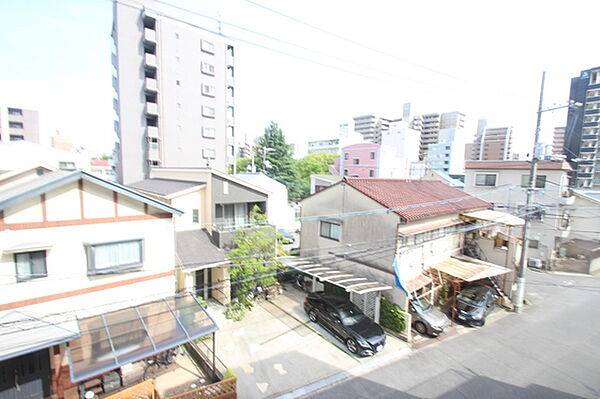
x=151, y=84
x=152, y=108
x=152, y=131
x=150, y=60
x=150, y=35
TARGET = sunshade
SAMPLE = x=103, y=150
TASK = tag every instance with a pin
x=469, y=269
x=494, y=216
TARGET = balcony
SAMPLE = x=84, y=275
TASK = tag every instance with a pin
x=151, y=84
x=589, y=137
x=150, y=60
x=113, y=59
x=152, y=131
x=587, y=150
x=150, y=35
x=153, y=154
x=152, y=108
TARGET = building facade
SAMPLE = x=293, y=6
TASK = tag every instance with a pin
x=371, y=127
x=329, y=146
x=558, y=140
x=492, y=143
x=18, y=124
x=403, y=142
x=175, y=89
x=583, y=129
x=447, y=155
x=432, y=123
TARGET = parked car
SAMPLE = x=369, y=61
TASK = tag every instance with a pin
x=474, y=302
x=342, y=318
x=427, y=319
x=286, y=237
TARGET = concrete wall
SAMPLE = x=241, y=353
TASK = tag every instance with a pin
x=584, y=219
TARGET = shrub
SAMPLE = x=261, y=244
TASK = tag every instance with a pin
x=229, y=373
x=391, y=316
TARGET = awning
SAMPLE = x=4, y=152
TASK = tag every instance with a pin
x=417, y=283
x=348, y=281
x=494, y=216
x=24, y=333
x=422, y=227
x=111, y=340
x=27, y=247
x=469, y=269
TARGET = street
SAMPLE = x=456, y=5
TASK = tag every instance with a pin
x=551, y=350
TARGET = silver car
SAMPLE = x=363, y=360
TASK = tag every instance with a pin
x=427, y=319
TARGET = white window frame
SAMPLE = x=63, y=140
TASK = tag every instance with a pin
x=486, y=174
x=133, y=264
x=209, y=153
x=30, y=275
x=208, y=69
x=208, y=132
x=207, y=47
x=208, y=112
x=208, y=90
x=327, y=230
x=525, y=179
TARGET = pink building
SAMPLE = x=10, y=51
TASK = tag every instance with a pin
x=359, y=160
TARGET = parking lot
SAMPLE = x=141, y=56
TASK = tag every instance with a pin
x=276, y=349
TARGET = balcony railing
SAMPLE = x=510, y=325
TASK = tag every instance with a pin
x=149, y=35
x=152, y=108
x=152, y=131
x=151, y=84
x=150, y=60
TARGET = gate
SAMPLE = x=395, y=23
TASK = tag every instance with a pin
x=26, y=377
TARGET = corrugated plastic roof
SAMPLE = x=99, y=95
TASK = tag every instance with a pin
x=416, y=199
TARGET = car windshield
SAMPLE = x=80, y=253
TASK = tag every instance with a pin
x=351, y=316
x=472, y=296
x=422, y=303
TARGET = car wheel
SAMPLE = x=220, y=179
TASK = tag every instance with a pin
x=420, y=327
x=482, y=322
x=312, y=316
x=351, y=345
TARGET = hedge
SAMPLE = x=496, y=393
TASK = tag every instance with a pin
x=391, y=316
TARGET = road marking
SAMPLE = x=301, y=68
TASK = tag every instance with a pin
x=262, y=386
x=279, y=368
x=247, y=368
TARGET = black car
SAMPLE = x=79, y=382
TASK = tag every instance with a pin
x=361, y=335
x=474, y=302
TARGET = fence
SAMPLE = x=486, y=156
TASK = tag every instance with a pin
x=143, y=390
x=220, y=390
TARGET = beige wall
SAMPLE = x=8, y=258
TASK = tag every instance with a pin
x=187, y=203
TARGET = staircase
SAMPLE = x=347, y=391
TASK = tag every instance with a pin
x=505, y=301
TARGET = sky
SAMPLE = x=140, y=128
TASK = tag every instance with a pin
x=478, y=57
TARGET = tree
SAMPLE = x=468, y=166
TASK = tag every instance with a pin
x=254, y=257
x=317, y=163
x=243, y=164
x=281, y=166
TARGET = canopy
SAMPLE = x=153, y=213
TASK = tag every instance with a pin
x=469, y=269
x=24, y=333
x=114, y=339
x=494, y=216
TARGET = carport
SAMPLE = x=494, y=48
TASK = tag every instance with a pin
x=352, y=283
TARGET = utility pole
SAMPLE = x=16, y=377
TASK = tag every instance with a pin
x=520, y=294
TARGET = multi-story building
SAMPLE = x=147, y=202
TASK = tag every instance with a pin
x=404, y=143
x=447, y=155
x=432, y=124
x=329, y=146
x=370, y=126
x=558, y=140
x=175, y=93
x=492, y=143
x=17, y=124
x=583, y=129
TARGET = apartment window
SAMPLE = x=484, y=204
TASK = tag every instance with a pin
x=595, y=77
x=178, y=83
x=66, y=165
x=371, y=172
x=534, y=244
x=149, y=22
x=15, y=125
x=209, y=153
x=208, y=112
x=207, y=47
x=486, y=179
x=540, y=181
x=195, y=216
x=356, y=161
x=30, y=265
x=114, y=257
x=500, y=243
x=17, y=137
x=208, y=69
x=15, y=111
x=230, y=49
x=230, y=131
x=230, y=91
x=230, y=112
x=346, y=156
x=231, y=150
x=230, y=71
x=331, y=230
x=345, y=172
x=208, y=132
x=226, y=187
x=153, y=163
x=372, y=155
x=208, y=90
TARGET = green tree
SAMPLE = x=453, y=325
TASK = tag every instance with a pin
x=242, y=164
x=254, y=257
x=281, y=166
x=317, y=163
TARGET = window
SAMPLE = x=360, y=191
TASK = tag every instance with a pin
x=207, y=47
x=371, y=172
x=356, y=161
x=230, y=112
x=331, y=230
x=534, y=244
x=230, y=131
x=486, y=179
x=346, y=156
x=17, y=137
x=195, y=216
x=231, y=216
x=208, y=132
x=372, y=155
x=15, y=125
x=31, y=265
x=231, y=150
x=540, y=181
x=230, y=71
x=208, y=90
x=208, y=69
x=208, y=112
x=208, y=153
x=230, y=91
x=595, y=77
x=178, y=83
x=63, y=165
x=114, y=257
x=15, y=111
x=345, y=172
x=499, y=243
x=225, y=187
x=230, y=49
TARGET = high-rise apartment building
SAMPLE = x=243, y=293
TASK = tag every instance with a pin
x=558, y=140
x=17, y=124
x=175, y=93
x=583, y=129
x=432, y=123
x=370, y=126
x=492, y=143
x=447, y=155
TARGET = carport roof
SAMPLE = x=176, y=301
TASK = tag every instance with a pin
x=469, y=269
x=348, y=281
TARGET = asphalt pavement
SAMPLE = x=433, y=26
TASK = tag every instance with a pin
x=550, y=350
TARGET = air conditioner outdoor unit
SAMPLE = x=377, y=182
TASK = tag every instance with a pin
x=536, y=263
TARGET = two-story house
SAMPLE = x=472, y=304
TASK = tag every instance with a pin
x=88, y=284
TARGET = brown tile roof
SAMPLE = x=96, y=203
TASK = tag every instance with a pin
x=425, y=195
x=517, y=165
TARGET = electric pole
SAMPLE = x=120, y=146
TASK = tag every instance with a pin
x=520, y=293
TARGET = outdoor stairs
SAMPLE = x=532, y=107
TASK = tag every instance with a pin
x=505, y=299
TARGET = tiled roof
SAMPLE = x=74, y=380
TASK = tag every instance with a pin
x=196, y=248
x=518, y=165
x=423, y=198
